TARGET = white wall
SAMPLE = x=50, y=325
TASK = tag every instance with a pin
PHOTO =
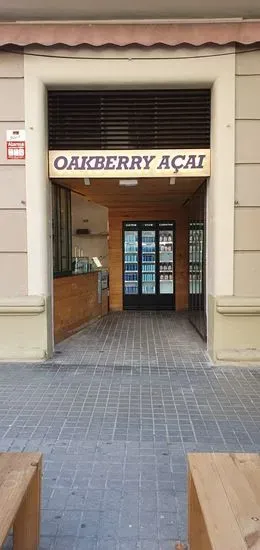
x=97, y=217
x=247, y=211
x=13, y=245
x=222, y=183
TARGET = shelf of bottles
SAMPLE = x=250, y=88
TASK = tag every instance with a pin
x=166, y=266
x=196, y=258
x=131, y=262
x=148, y=262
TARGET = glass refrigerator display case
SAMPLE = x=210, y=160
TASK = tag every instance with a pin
x=131, y=262
x=196, y=242
x=148, y=262
x=148, y=265
x=166, y=261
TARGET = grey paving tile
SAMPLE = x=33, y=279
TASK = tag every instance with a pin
x=148, y=525
x=86, y=544
x=70, y=524
x=90, y=523
x=94, y=499
x=50, y=522
x=167, y=544
x=167, y=501
x=148, y=500
x=168, y=526
x=65, y=543
x=104, y=544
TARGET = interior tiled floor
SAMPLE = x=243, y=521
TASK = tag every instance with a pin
x=154, y=339
x=115, y=413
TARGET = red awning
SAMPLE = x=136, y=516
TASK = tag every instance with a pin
x=122, y=34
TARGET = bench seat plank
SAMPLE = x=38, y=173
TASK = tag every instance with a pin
x=224, y=500
x=249, y=464
x=17, y=474
x=215, y=514
x=241, y=496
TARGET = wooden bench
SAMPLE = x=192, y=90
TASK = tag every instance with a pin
x=224, y=501
x=20, y=484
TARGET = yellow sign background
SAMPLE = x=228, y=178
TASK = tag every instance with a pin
x=140, y=163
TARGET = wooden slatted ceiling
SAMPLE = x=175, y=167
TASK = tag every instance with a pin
x=149, y=191
x=129, y=119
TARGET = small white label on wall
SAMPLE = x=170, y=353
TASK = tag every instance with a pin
x=15, y=144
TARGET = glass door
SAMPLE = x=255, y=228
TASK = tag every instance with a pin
x=197, y=260
x=166, y=267
x=148, y=265
x=131, y=262
x=148, y=255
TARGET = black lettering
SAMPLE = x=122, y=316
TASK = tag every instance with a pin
x=148, y=161
x=60, y=163
x=99, y=163
x=74, y=163
x=88, y=166
x=123, y=163
x=83, y=163
x=191, y=163
x=200, y=161
x=136, y=163
x=165, y=163
x=176, y=164
x=111, y=163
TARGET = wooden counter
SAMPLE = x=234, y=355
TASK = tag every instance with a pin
x=76, y=303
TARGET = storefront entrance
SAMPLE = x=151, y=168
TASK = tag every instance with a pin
x=138, y=115
x=142, y=155
x=150, y=239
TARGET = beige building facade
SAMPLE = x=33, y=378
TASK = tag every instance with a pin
x=232, y=72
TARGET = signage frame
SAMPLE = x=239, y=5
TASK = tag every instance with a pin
x=156, y=163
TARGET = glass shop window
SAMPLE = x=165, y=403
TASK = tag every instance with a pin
x=61, y=230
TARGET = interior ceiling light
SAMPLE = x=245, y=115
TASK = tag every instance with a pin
x=128, y=183
x=172, y=181
x=86, y=181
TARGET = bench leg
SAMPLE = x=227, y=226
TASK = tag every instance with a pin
x=197, y=532
x=27, y=522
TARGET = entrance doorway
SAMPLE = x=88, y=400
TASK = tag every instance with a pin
x=147, y=242
x=99, y=141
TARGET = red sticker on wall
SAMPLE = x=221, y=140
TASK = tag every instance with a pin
x=15, y=144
